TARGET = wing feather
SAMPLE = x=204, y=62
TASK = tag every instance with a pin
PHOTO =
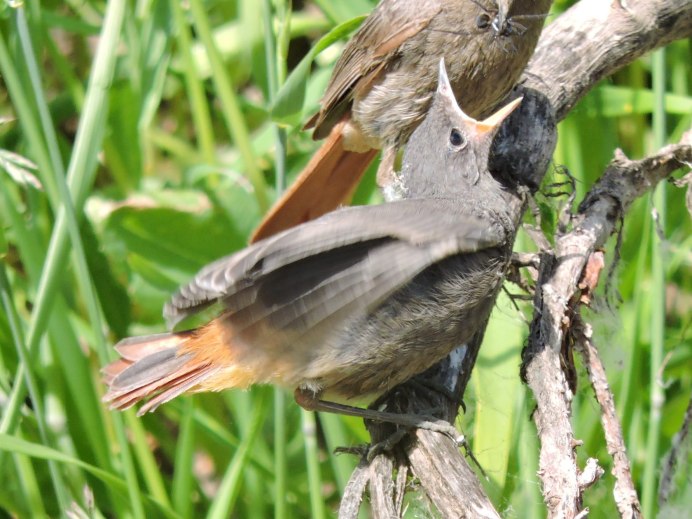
x=403, y=236
x=368, y=53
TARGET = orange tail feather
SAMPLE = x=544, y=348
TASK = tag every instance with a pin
x=328, y=180
x=160, y=367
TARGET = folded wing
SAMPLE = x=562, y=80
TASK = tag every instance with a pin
x=340, y=265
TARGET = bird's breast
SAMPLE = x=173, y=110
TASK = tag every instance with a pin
x=417, y=326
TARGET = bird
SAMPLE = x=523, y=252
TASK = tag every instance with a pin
x=345, y=307
x=384, y=81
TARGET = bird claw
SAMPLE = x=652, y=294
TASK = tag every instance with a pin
x=386, y=445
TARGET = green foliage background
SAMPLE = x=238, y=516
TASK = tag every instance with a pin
x=161, y=131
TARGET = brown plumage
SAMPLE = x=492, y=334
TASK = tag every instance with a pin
x=339, y=170
x=351, y=304
x=383, y=83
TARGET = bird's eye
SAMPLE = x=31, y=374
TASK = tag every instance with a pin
x=483, y=21
x=456, y=138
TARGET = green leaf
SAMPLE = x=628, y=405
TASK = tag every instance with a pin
x=497, y=364
x=112, y=295
x=169, y=240
x=288, y=106
x=3, y=242
x=18, y=446
x=616, y=101
x=342, y=11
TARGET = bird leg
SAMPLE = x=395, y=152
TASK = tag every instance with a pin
x=308, y=400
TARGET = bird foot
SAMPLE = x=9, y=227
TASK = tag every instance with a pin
x=371, y=451
x=386, y=445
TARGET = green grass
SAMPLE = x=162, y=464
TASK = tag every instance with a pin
x=160, y=132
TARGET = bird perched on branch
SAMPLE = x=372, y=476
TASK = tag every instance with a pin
x=384, y=81
x=349, y=305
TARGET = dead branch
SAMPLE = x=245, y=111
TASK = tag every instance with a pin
x=678, y=450
x=624, y=492
x=623, y=181
x=594, y=38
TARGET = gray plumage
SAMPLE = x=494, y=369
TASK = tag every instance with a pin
x=360, y=300
x=365, y=297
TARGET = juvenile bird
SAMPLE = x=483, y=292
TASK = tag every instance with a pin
x=384, y=81
x=349, y=305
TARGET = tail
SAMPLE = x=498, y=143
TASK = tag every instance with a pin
x=161, y=367
x=329, y=180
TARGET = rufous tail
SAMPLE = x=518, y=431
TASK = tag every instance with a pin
x=160, y=367
x=328, y=180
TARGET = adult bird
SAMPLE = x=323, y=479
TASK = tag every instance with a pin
x=384, y=81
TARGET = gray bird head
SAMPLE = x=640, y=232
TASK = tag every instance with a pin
x=448, y=153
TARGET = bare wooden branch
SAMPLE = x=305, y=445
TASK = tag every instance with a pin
x=400, y=485
x=436, y=461
x=382, y=488
x=623, y=181
x=354, y=491
x=542, y=370
x=594, y=38
x=624, y=492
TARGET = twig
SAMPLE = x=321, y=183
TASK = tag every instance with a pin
x=542, y=370
x=624, y=492
x=623, y=181
x=677, y=450
x=382, y=488
x=354, y=491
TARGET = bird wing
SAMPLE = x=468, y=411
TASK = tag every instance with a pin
x=346, y=261
x=367, y=54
